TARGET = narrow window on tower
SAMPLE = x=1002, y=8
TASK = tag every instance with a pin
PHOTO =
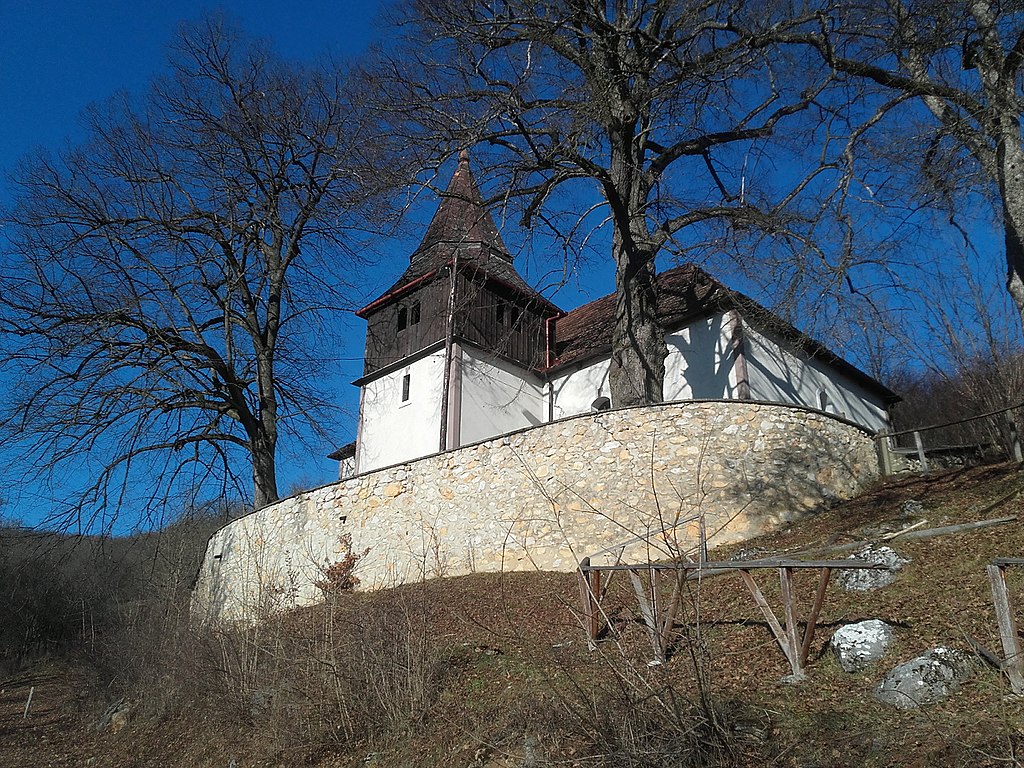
x=499, y=313
x=403, y=318
x=513, y=315
x=405, y=387
x=414, y=313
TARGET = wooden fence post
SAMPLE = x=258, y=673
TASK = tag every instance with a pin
x=884, y=455
x=1012, y=653
x=1014, y=438
x=920, y=452
x=590, y=595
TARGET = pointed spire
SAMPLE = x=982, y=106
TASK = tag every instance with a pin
x=462, y=221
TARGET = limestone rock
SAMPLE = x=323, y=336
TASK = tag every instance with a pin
x=115, y=717
x=911, y=508
x=858, y=646
x=863, y=580
x=926, y=679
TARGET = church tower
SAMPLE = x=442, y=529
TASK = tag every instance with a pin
x=451, y=347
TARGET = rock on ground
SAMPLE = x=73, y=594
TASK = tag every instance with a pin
x=862, y=580
x=926, y=679
x=860, y=645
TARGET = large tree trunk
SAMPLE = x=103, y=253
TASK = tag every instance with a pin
x=263, y=443
x=1010, y=158
x=637, y=371
x=264, y=471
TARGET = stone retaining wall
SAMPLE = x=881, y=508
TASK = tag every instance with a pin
x=635, y=481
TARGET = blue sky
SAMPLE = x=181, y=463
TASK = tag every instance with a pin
x=57, y=56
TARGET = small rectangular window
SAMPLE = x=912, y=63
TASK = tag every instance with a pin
x=403, y=318
x=499, y=313
x=414, y=313
x=406, y=380
x=513, y=315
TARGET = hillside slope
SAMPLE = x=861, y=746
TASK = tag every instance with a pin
x=494, y=670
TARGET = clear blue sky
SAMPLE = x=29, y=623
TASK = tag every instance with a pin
x=57, y=56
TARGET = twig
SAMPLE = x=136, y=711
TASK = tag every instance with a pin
x=893, y=535
x=984, y=653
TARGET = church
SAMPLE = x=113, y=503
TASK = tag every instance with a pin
x=488, y=439
x=461, y=349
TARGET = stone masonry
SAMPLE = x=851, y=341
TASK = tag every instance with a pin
x=635, y=482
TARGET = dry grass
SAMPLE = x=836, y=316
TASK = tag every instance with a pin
x=493, y=670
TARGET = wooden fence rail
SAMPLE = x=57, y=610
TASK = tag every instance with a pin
x=659, y=606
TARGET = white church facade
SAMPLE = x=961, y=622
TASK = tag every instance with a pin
x=461, y=349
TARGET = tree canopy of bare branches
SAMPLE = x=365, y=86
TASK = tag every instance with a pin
x=654, y=105
x=167, y=281
x=961, y=60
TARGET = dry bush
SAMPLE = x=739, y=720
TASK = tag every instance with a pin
x=626, y=721
x=340, y=575
x=980, y=386
x=352, y=671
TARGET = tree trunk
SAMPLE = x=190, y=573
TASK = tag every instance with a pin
x=264, y=471
x=263, y=444
x=637, y=371
x=1011, y=187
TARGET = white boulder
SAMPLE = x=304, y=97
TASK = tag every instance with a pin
x=858, y=646
x=864, y=579
x=926, y=679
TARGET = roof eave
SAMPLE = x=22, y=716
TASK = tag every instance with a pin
x=395, y=294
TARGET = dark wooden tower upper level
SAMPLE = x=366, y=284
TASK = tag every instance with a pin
x=461, y=276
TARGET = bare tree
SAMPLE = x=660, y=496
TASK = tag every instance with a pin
x=961, y=60
x=657, y=105
x=965, y=356
x=165, y=294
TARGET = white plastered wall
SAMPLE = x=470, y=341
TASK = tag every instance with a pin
x=576, y=390
x=392, y=431
x=699, y=363
x=497, y=397
x=780, y=374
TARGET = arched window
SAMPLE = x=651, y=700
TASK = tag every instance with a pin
x=403, y=318
x=822, y=400
x=601, y=404
x=414, y=313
